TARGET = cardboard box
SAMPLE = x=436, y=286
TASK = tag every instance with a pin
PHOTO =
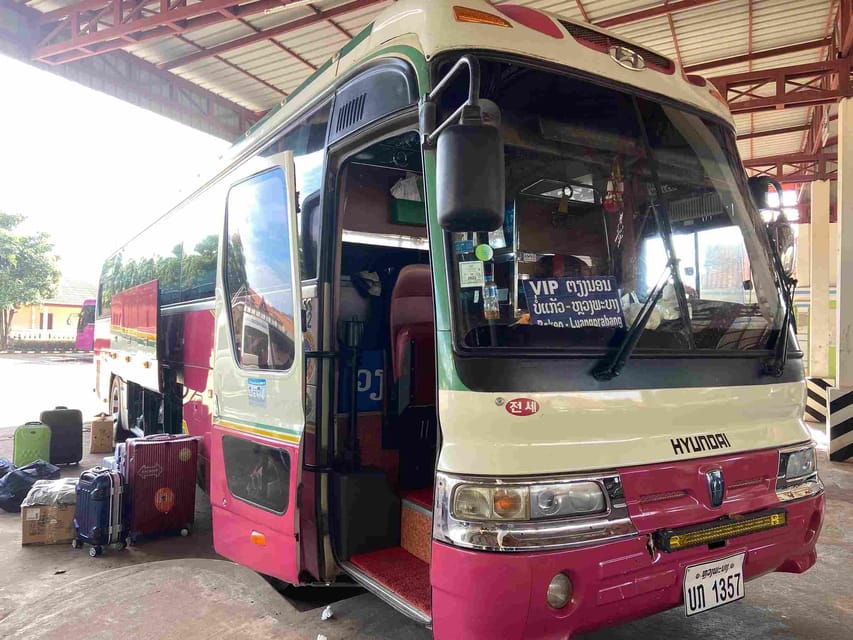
x=102, y=436
x=51, y=524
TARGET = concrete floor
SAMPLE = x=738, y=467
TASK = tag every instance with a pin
x=179, y=588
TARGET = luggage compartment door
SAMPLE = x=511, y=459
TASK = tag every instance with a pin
x=259, y=414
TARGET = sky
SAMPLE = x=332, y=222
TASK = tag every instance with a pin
x=87, y=168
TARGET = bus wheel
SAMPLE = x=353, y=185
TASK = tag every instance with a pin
x=118, y=410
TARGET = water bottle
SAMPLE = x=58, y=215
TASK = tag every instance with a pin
x=491, y=310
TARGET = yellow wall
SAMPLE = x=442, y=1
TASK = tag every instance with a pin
x=29, y=318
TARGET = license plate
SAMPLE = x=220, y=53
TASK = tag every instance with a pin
x=713, y=584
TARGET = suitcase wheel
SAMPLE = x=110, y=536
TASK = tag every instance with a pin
x=95, y=551
x=185, y=532
x=130, y=541
x=76, y=544
x=121, y=544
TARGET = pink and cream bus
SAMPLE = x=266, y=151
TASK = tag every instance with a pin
x=485, y=318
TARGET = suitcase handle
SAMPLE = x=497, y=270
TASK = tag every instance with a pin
x=32, y=423
x=61, y=407
x=160, y=436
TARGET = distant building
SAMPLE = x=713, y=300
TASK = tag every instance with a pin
x=56, y=317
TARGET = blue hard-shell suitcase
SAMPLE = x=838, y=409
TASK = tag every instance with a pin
x=99, y=514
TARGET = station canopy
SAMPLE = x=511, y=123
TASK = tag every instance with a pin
x=219, y=65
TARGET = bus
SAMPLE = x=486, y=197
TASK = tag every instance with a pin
x=484, y=318
x=85, y=336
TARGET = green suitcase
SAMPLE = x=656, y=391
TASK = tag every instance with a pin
x=32, y=442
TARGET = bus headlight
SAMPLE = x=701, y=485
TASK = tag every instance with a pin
x=472, y=502
x=797, y=477
x=567, y=499
x=534, y=502
x=524, y=513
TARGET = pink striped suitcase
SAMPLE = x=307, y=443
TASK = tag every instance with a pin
x=161, y=482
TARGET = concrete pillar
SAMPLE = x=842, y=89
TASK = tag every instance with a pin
x=819, y=281
x=819, y=379
x=840, y=423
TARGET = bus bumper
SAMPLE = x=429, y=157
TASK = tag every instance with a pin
x=478, y=594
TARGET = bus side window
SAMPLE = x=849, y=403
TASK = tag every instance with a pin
x=258, y=272
x=257, y=474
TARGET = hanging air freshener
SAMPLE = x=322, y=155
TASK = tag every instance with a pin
x=615, y=189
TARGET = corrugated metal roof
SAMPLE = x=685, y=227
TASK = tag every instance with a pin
x=259, y=74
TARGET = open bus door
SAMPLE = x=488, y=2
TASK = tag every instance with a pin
x=258, y=376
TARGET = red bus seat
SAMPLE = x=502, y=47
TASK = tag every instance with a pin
x=413, y=335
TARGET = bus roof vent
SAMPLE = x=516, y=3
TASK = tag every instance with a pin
x=350, y=113
x=602, y=42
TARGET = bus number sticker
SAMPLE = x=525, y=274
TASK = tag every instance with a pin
x=575, y=303
x=522, y=407
x=258, y=392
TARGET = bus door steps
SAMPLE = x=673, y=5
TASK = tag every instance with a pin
x=399, y=572
x=416, y=523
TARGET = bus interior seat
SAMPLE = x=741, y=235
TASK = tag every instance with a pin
x=413, y=364
x=413, y=336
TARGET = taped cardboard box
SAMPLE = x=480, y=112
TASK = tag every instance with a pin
x=47, y=513
x=47, y=524
x=102, y=435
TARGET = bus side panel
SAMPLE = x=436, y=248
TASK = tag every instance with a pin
x=133, y=335
x=258, y=538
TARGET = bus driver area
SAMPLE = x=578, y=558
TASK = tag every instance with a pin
x=482, y=332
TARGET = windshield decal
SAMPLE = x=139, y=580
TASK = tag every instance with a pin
x=575, y=302
x=471, y=274
x=464, y=246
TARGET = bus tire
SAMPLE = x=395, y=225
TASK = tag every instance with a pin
x=118, y=409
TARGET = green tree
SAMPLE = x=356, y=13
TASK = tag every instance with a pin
x=28, y=272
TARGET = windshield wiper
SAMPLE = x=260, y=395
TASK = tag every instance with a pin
x=613, y=366
x=664, y=225
x=774, y=365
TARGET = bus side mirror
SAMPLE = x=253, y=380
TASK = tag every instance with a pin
x=470, y=178
x=782, y=236
x=760, y=190
x=779, y=230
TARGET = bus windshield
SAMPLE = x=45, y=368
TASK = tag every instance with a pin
x=610, y=199
x=86, y=317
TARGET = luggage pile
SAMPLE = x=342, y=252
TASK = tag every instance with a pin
x=146, y=489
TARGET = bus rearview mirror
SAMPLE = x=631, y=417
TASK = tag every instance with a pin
x=760, y=188
x=470, y=178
